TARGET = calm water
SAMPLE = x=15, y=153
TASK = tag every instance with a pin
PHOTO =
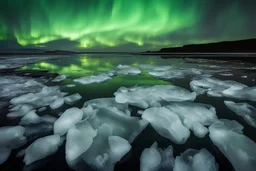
x=86, y=65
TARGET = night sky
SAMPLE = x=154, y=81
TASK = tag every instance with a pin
x=123, y=25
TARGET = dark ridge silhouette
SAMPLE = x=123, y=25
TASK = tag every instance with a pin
x=240, y=46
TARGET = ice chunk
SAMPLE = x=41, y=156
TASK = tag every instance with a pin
x=108, y=103
x=246, y=93
x=97, y=155
x=239, y=149
x=154, y=67
x=118, y=148
x=122, y=125
x=30, y=118
x=70, y=85
x=167, y=124
x=79, y=139
x=57, y=103
x=67, y=120
x=59, y=78
x=13, y=86
x=154, y=158
x=174, y=73
x=167, y=162
x=150, y=159
x=128, y=70
x=72, y=98
x=42, y=148
x=194, y=116
x=226, y=74
x=88, y=111
x=195, y=160
x=213, y=86
x=145, y=97
x=247, y=111
x=41, y=99
x=199, y=130
x=4, y=154
x=19, y=111
x=167, y=74
x=12, y=137
x=106, y=150
x=93, y=79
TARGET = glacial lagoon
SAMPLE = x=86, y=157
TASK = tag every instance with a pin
x=126, y=112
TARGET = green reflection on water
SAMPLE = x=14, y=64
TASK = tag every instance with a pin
x=86, y=65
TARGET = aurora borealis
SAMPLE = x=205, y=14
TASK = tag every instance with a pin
x=122, y=25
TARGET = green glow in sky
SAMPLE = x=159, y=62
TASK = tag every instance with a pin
x=90, y=24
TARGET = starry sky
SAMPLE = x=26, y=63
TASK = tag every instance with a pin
x=123, y=25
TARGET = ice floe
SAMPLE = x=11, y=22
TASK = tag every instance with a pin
x=19, y=111
x=93, y=79
x=12, y=137
x=42, y=148
x=43, y=98
x=79, y=139
x=145, y=97
x=154, y=159
x=122, y=125
x=12, y=86
x=127, y=70
x=175, y=73
x=245, y=93
x=195, y=160
x=195, y=116
x=106, y=103
x=154, y=67
x=167, y=124
x=240, y=150
x=106, y=150
x=214, y=87
x=150, y=159
x=247, y=111
x=67, y=120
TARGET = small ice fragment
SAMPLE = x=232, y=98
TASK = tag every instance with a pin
x=42, y=109
x=72, y=98
x=59, y=78
x=57, y=103
x=93, y=79
x=70, y=85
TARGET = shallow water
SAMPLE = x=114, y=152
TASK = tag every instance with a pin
x=77, y=66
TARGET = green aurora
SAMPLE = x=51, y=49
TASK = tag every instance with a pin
x=121, y=24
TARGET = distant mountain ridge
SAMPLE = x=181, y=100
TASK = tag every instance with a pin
x=239, y=46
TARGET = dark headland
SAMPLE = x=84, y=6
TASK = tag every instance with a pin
x=240, y=46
